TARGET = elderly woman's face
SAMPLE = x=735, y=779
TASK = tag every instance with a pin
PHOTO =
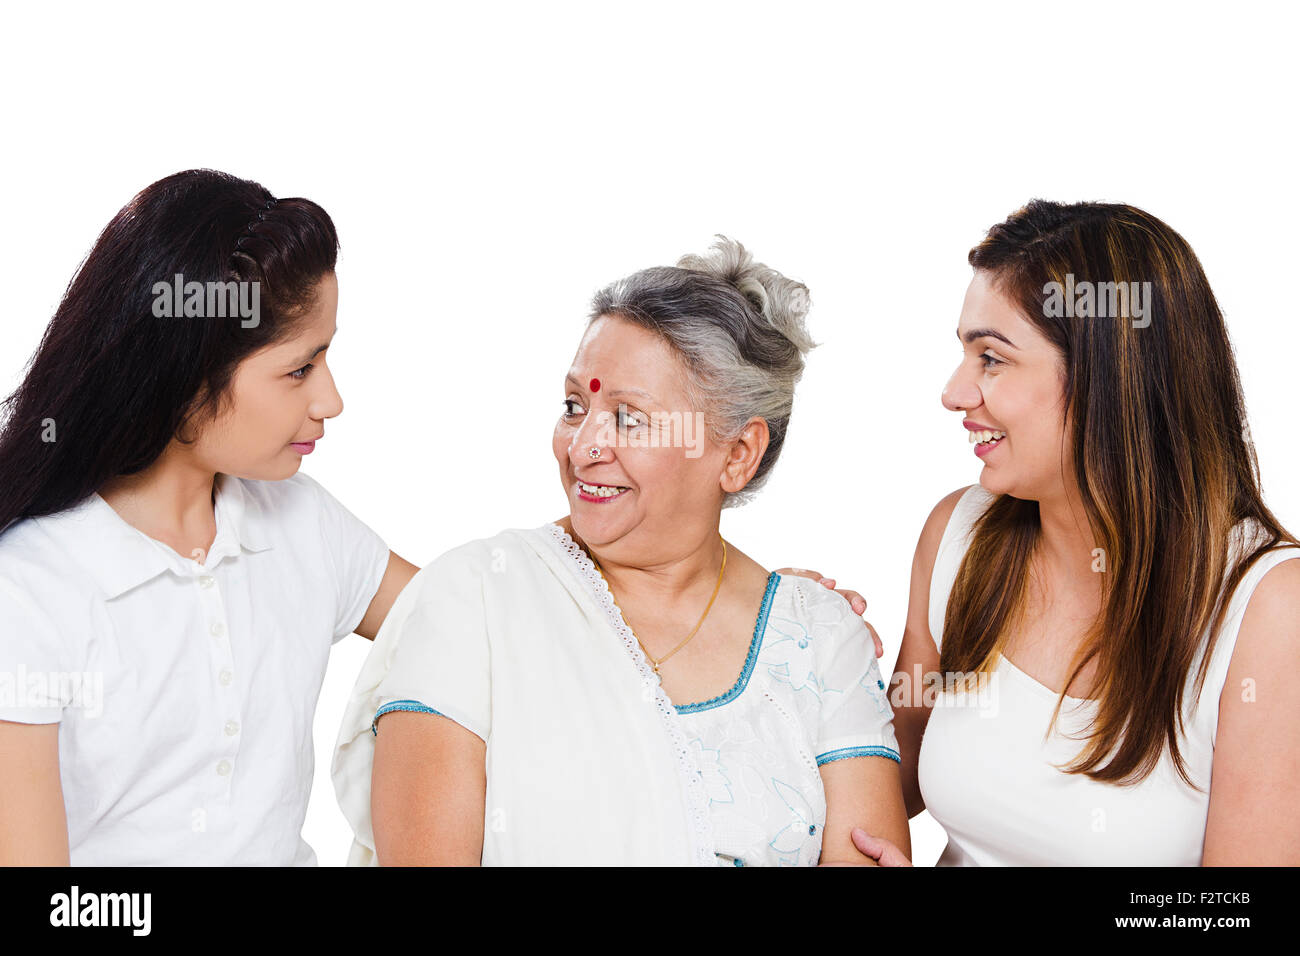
x=635, y=460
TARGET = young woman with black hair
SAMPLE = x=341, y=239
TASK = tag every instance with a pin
x=170, y=585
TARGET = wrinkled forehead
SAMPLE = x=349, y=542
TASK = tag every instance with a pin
x=617, y=357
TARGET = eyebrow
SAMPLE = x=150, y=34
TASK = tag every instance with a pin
x=974, y=334
x=319, y=349
x=631, y=391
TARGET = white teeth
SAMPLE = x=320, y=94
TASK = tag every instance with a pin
x=600, y=491
x=985, y=436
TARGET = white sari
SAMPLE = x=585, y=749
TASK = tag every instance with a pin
x=517, y=638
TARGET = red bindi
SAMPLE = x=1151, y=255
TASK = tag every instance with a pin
x=595, y=385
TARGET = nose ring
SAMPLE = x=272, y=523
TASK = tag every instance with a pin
x=593, y=452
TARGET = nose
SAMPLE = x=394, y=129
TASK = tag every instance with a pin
x=595, y=433
x=962, y=393
x=326, y=402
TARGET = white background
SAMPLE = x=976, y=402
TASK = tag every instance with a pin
x=490, y=165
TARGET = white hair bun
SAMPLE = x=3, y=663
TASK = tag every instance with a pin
x=780, y=301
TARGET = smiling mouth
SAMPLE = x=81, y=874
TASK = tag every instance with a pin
x=986, y=437
x=599, y=492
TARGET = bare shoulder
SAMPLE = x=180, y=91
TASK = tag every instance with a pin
x=1271, y=624
x=1279, y=588
x=1263, y=656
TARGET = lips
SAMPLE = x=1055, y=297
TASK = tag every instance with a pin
x=984, y=437
x=591, y=491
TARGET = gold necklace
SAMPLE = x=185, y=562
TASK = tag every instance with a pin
x=709, y=607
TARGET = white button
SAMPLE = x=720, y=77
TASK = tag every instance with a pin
x=223, y=768
x=207, y=581
x=218, y=629
x=232, y=728
x=226, y=677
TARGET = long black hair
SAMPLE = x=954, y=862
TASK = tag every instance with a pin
x=111, y=383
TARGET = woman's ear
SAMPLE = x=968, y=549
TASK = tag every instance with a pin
x=744, y=456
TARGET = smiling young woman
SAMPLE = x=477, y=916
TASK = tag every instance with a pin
x=1116, y=572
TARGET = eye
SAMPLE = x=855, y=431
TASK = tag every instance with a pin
x=301, y=373
x=991, y=360
x=627, y=419
x=572, y=408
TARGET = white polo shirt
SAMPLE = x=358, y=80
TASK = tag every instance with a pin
x=185, y=692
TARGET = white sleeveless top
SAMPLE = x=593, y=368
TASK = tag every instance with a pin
x=987, y=775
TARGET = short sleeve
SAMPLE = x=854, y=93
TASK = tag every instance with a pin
x=856, y=719
x=359, y=557
x=36, y=679
x=431, y=654
x=436, y=647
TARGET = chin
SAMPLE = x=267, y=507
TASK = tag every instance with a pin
x=273, y=471
x=289, y=470
x=997, y=484
x=594, y=530
x=590, y=531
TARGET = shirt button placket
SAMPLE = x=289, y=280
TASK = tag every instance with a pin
x=223, y=659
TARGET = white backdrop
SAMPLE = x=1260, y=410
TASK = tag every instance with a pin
x=490, y=165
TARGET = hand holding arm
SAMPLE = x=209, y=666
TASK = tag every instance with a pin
x=856, y=600
x=878, y=849
x=858, y=790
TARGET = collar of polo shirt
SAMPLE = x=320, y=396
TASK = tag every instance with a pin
x=119, y=557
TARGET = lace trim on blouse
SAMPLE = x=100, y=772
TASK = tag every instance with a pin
x=697, y=800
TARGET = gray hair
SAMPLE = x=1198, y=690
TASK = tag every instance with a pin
x=738, y=326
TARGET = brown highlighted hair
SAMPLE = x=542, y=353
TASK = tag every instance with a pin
x=1156, y=422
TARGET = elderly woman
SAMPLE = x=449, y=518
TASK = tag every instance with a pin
x=624, y=686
